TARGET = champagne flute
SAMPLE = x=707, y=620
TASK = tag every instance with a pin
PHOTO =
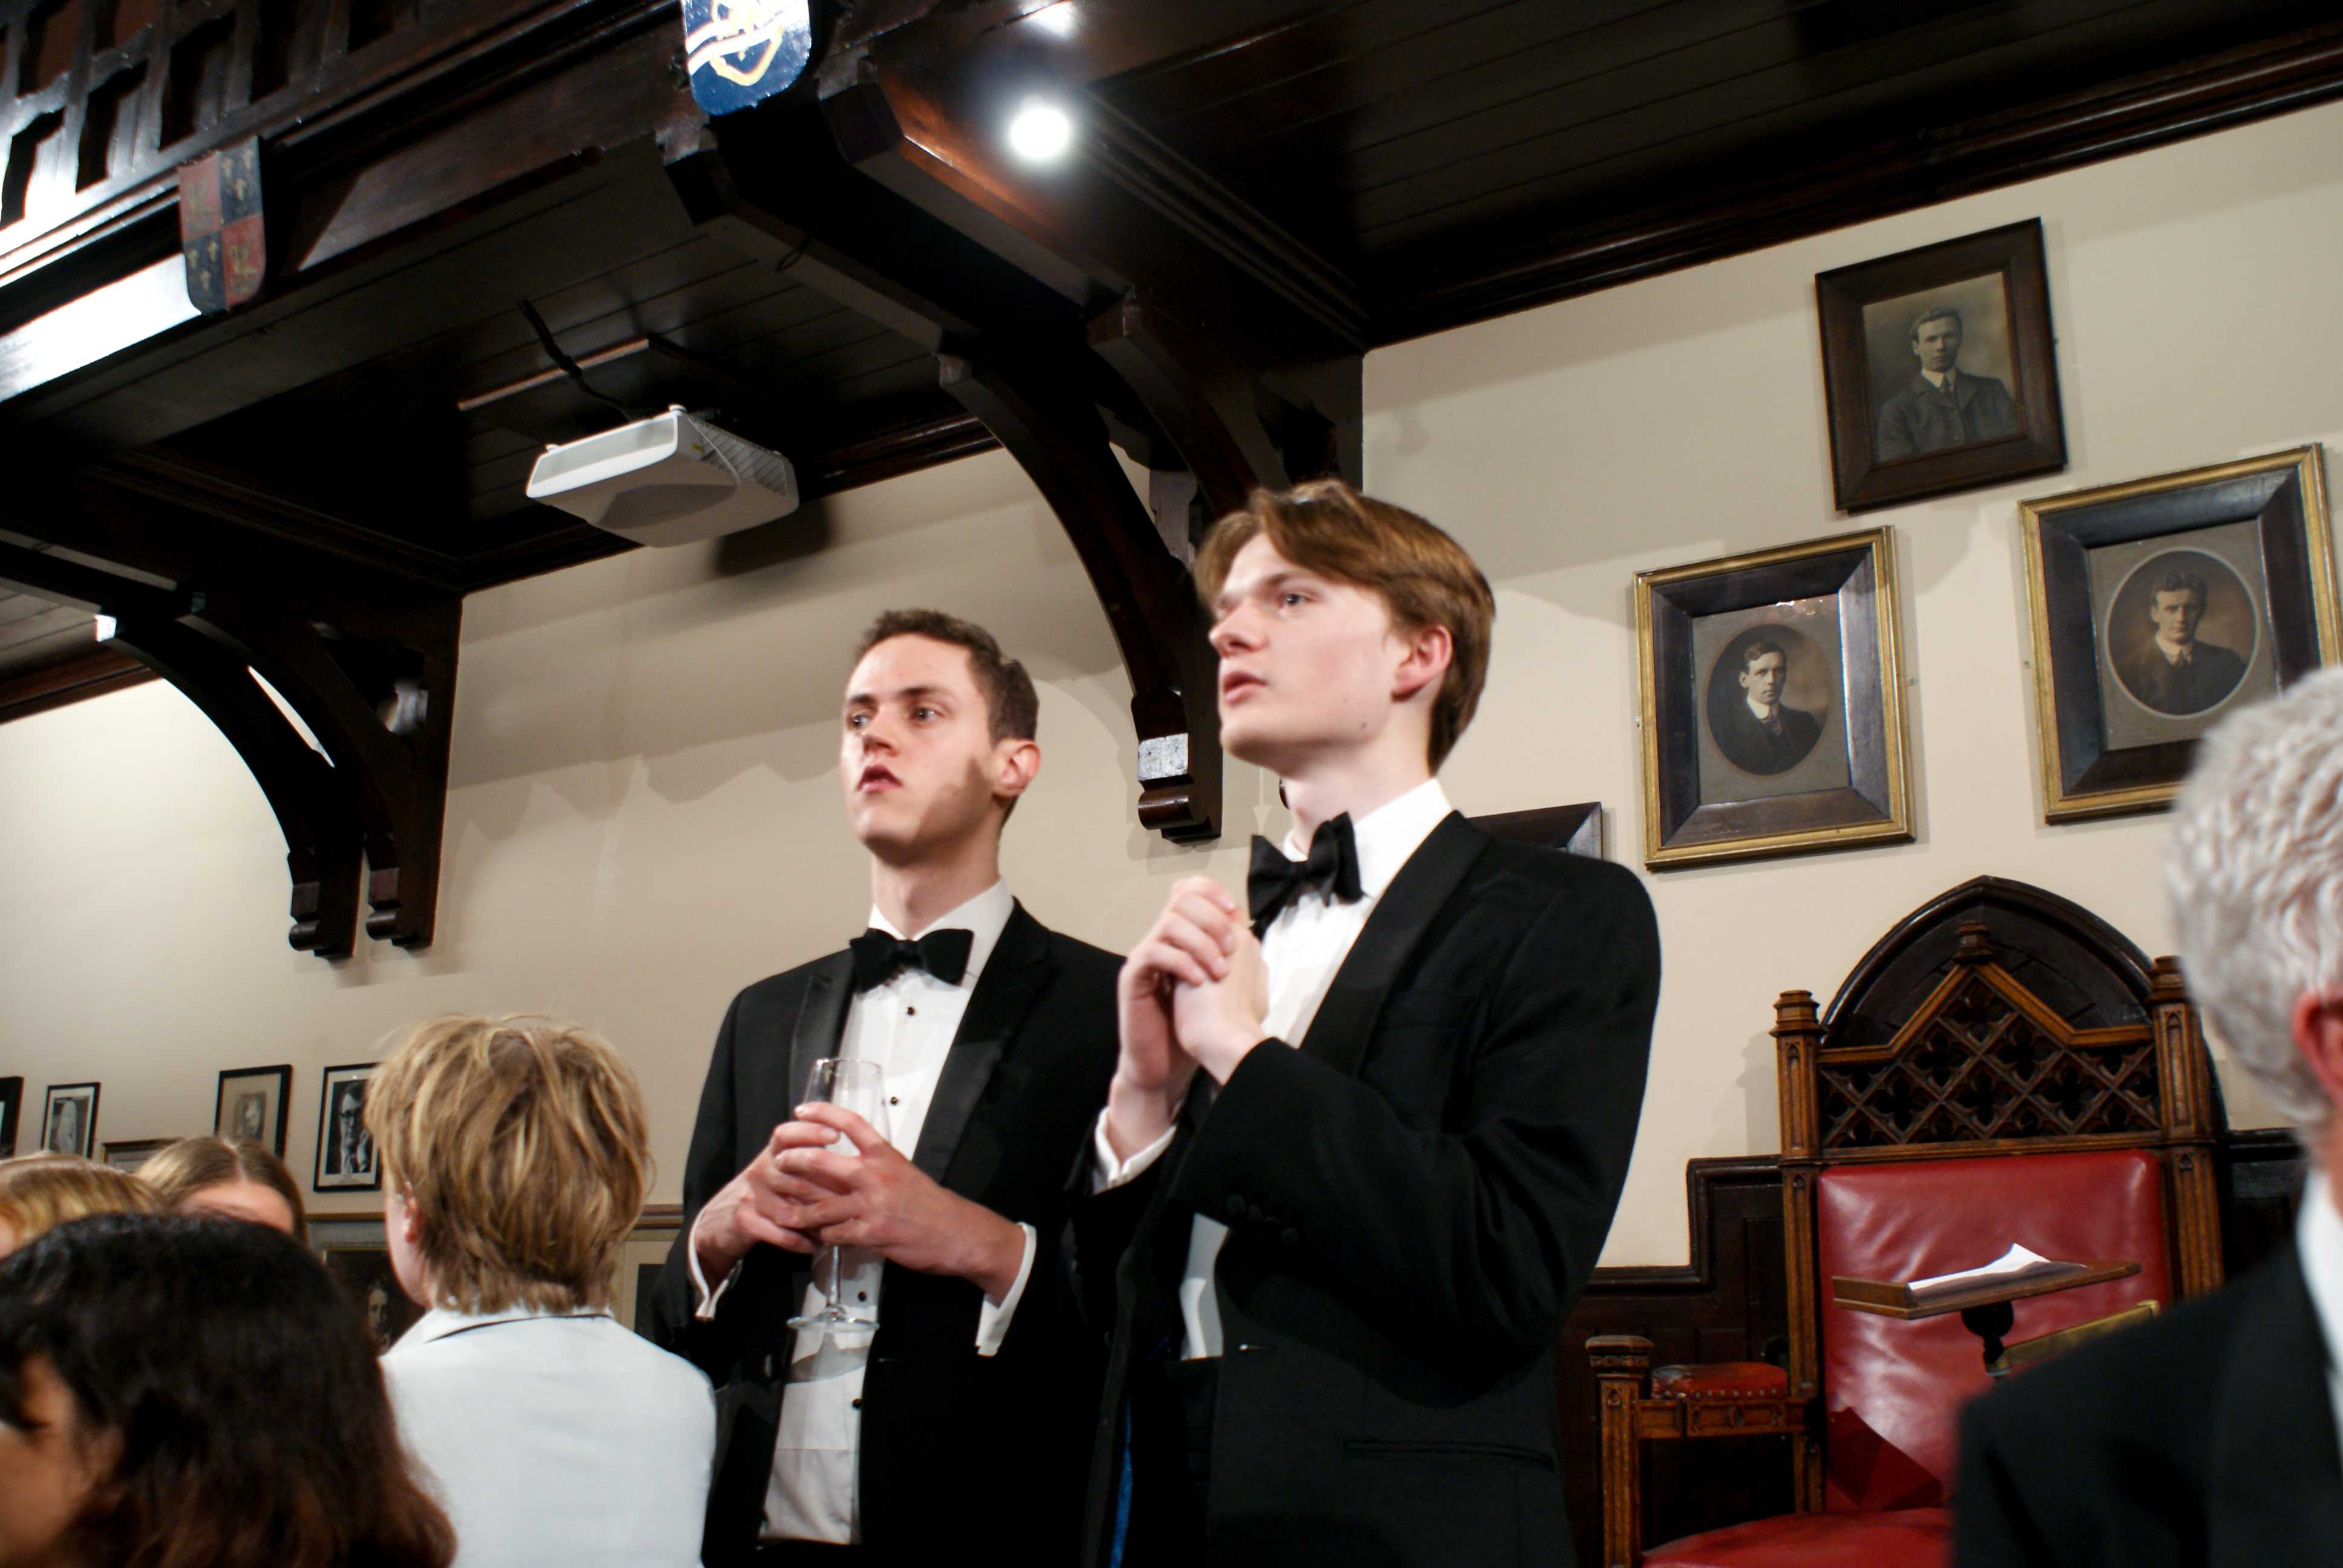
x=860, y=1087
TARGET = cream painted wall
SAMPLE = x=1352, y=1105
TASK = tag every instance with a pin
x=643, y=815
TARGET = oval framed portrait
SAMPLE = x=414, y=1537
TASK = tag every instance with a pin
x=2181, y=632
x=1768, y=698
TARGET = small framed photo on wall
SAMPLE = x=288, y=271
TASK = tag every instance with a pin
x=1938, y=368
x=69, y=1120
x=1773, y=703
x=2160, y=607
x=346, y=1159
x=12, y=1105
x=251, y=1103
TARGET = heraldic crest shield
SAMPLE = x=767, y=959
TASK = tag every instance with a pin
x=741, y=51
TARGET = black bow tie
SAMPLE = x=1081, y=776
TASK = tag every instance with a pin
x=878, y=955
x=1332, y=869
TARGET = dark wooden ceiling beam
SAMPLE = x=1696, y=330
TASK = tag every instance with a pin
x=1459, y=279
x=1040, y=413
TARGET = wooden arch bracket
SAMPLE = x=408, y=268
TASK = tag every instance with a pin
x=373, y=683
x=1049, y=426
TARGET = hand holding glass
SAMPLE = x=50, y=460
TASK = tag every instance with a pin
x=860, y=1087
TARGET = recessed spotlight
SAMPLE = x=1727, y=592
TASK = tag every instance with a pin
x=1041, y=133
x=105, y=624
x=1058, y=20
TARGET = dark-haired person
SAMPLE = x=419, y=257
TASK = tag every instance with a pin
x=1943, y=406
x=188, y=1394
x=969, y=1407
x=515, y=1158
x=1352, y=1175
x=2176, y=671
x=226, y=1179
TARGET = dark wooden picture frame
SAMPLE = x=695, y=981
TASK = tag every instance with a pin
x=128, y=1154
x=1697, y=809
x=1903, y=286
x=1575, y=830
x=271, y=1130
x=2086, y=769
x=86, y=1143
x=12, y=1106
x=330, y=1086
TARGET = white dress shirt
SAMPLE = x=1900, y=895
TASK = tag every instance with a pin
x=1302, y=950
x=906, y=1025
x=2318, y=1242
x=556, y=1438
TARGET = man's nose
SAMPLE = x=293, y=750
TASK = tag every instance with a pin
x=1233, y=632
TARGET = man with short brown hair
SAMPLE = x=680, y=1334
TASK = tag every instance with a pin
x=1368, y=1126
x=994, y=1038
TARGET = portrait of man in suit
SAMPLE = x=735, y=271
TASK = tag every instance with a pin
x=349, y=1147
x=2171, y=669
x=65, y=1135
x=1941, y=405
x=1756, y=731
x=974, y=1398
x=1370, y=1120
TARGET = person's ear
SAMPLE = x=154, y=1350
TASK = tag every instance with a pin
x=1015, y=765
x=2317, y=1023
x=1428, y=651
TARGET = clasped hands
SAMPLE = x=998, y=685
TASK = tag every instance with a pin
x=1192, y=994
x=800, y=1194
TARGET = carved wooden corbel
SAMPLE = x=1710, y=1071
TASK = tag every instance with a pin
x=1040, y=413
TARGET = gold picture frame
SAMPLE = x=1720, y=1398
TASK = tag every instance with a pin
x=1772, y=691
x=2117, y=707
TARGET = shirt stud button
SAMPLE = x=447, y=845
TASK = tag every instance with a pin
x=911, y=1011
x=894, y=1100
x=858, y=1404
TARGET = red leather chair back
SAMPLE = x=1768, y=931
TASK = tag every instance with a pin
x=1893, y=1390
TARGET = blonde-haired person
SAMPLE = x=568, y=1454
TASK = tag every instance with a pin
x=38, y=1192
x=226, y=1179
x=516, y=1159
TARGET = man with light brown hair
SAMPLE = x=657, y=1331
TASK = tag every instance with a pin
x=515, y=1160
x=38, y=1192
x=1368, y=1125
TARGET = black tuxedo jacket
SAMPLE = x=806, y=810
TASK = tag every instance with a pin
x=1415, y=1198
x=947, y=1434
x=2205, y=1437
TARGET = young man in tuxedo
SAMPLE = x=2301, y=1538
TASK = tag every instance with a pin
x=995, y=1037
x=2209, y=1435
x=1353, y=1172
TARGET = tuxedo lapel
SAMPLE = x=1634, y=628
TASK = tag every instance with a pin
x=1346, y=1019
x=2277, y=1492
x=1004, y=993
x=820, y=1026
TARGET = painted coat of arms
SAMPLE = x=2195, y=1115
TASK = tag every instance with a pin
x=741, y=51
x=221, y=231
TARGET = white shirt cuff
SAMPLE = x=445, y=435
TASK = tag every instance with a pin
x=705, y=1301
x=1110, y=1172
x=991, y=1321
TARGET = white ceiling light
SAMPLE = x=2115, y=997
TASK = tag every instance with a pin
x=1058, y=20
x=1041, y=133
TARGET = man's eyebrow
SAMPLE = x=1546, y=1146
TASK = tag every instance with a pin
x=911, y=693
x=1271, y=583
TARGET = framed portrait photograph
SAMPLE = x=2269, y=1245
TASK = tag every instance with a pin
x=1938, y=368
x=1773, y=703
x=2160, y=607
x=69, y=1120
x=346, y=1161
x=639, y=1263
x=12, y=1105
x=128, y=1154
x=357, y=1255
x=251, y=1103
x=1576, y=829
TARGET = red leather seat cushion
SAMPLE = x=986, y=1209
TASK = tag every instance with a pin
x=1894, y=1390
x=1712, y=1378
x=1913, y=1537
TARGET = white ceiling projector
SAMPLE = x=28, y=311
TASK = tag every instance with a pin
x=670, y=479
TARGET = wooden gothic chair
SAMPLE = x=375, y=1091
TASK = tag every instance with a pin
x=2001, y=1067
